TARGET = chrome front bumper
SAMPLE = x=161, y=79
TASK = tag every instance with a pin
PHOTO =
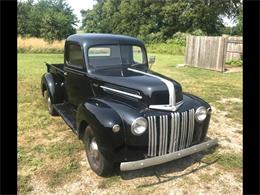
x=139, y=164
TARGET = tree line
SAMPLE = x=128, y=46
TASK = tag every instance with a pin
x=149, y=20
x=153, y=20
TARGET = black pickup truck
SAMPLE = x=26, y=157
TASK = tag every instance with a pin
x=124, y=113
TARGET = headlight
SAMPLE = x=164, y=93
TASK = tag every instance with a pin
x=201, y=114
x=139, y=125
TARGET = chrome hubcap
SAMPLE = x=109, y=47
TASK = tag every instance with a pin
x=94, y=149
x=49, y=103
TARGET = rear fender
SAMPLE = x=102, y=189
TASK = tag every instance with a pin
x=54, y=85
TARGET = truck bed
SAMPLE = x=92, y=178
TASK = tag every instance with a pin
x=55, y=68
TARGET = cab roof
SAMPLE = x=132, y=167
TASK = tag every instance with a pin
x=91, y=39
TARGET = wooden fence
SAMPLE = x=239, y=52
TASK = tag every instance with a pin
x=212, y=52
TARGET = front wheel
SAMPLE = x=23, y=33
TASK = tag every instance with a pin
x=98, y=163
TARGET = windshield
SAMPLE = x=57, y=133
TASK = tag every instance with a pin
x=116, y=55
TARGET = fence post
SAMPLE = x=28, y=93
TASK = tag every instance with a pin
x=224, y=53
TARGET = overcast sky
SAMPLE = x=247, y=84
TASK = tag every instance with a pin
x=78, y=5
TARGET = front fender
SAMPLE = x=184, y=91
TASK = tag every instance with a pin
x=54, y=85
x=102, y=117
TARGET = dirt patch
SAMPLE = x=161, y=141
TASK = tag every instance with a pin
x=233, y=69
x=226, y=130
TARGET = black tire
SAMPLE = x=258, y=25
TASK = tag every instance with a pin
x=50, y=107
x=98, y=163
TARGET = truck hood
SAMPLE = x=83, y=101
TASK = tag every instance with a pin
x=146, y=86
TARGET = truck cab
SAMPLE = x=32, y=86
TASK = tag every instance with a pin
x=124, y=113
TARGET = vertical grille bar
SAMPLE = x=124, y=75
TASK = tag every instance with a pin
x=149, y=135
x=177, y=132
x=165, y=134
x=155, y=137
x=152, y=137
x=172, y=133
x=191, y=128
x=183, y=130
x=163, y=137
x=160, y=144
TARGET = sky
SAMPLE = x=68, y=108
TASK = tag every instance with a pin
x=78, y=5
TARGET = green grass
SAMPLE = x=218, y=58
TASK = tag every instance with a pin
x=24, y=185
x=231, y=161
x=48, y=150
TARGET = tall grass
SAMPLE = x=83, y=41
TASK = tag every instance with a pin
x=37, y=45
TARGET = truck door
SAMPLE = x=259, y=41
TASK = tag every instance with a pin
x=76, y=82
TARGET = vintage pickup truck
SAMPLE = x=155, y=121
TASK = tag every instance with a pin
x=124, y=113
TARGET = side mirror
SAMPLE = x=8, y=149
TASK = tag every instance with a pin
x=151, y=61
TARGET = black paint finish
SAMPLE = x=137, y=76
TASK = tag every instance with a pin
x=81, y=88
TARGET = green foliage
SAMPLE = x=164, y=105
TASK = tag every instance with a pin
x=157, y=21
x=235, y=62
x=48, y=19
x=166, y=48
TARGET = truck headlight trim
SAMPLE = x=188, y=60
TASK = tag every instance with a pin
x=139, y=126
x=201, y=114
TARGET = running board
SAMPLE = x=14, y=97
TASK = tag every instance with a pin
x=68, y=114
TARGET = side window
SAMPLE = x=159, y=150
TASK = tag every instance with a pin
x=74, y=55
x=138, y=55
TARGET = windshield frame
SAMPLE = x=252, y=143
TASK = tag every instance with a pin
x=91, y=67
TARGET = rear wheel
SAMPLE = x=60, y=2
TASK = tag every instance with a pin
x=98, y=163
x=51, y=109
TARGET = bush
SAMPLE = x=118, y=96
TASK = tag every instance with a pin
x=235, y=62
x=178, y=38
x=166, y=48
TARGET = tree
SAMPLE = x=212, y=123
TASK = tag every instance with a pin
x=158, y=20
x=48, y=19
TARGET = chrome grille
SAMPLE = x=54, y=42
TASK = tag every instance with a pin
x=175, y=132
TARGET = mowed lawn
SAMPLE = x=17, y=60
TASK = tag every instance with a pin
x=47, y=149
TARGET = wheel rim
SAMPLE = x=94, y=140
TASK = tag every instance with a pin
x=49, y=103
x=94, y=153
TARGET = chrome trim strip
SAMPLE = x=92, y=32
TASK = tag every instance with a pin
x=169, y=84
x=177, y=135
x=152, y=137
x=161, y=133
x=191, y=128
x=122, y=92
x=166, y=134
x=149, y=134
x=172, y=133
x=139, y=164
x=167, y=107
x=155, y=137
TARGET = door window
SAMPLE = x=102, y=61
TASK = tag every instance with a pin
x=74, y=55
